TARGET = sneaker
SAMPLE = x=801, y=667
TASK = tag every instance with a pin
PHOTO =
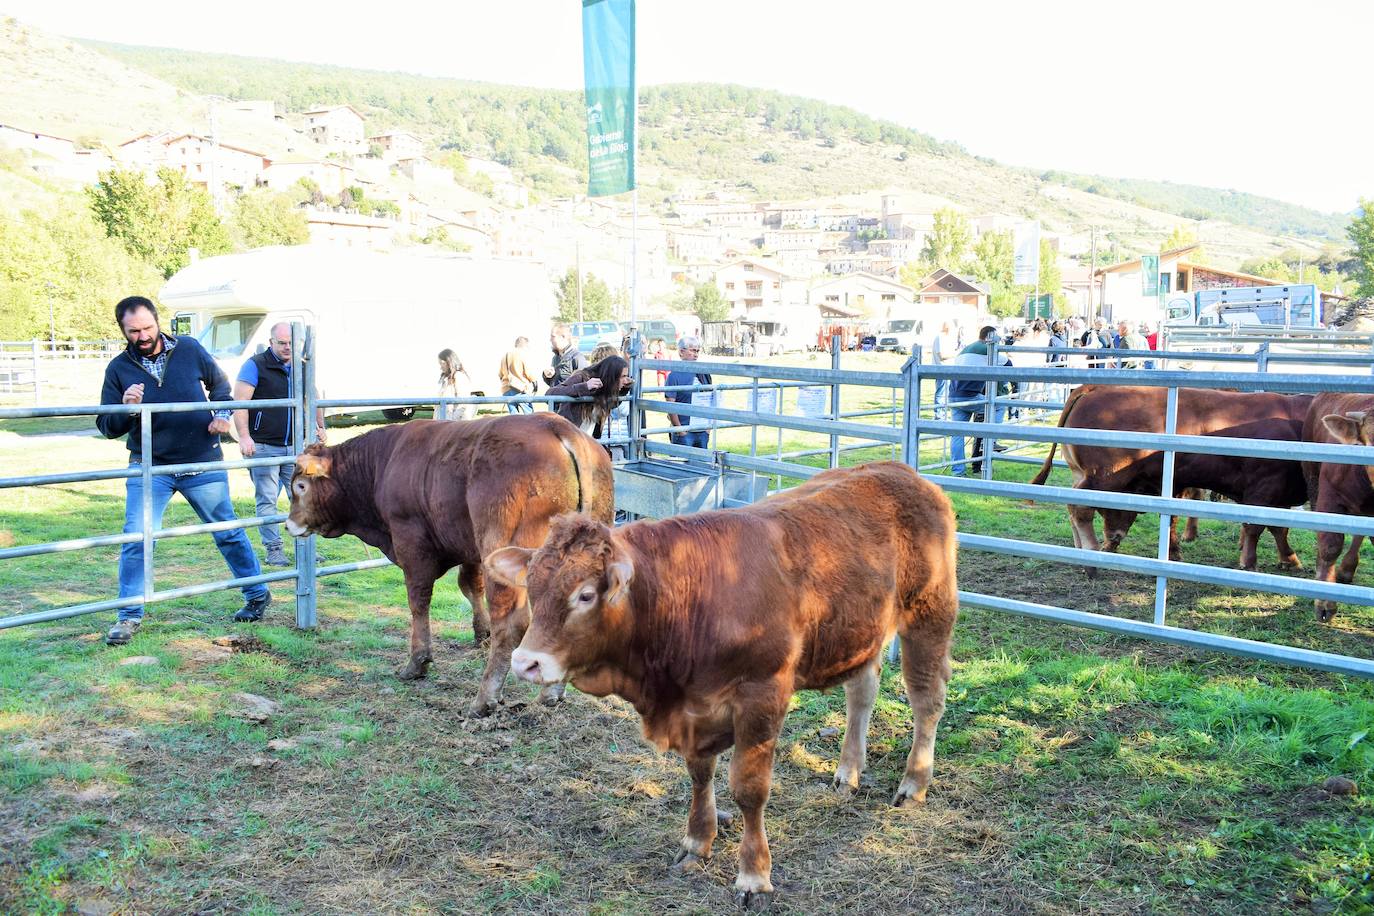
x=276, y=556
x=253, y=608
x=122, y=632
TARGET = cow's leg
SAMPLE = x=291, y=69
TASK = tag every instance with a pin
x=1174, y=552
x=1189, y=531
x=701, y=822
x=471, y=584
x=509, y=620
x=1083, y=519
x=757, y=723
x=1351, y=561
x=1249, y=545
x=1287, y=555
x=419, y=592
x=860, y=693
x=1329, y=544
x=926, y=670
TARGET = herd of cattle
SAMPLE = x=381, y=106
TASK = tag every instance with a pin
x=1279, y=483
x=708, y=623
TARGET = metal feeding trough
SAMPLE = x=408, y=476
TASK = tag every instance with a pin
x=655, y=488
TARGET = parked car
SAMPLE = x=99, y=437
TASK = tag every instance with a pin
x=588, y=335
x=649, y=328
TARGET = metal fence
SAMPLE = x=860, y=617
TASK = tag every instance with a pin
x=898, y=424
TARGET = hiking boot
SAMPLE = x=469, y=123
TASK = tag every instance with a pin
x=276, y=556
x=252, y=609
x=122, y=632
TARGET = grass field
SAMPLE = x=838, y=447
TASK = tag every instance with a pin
x=1075, y=771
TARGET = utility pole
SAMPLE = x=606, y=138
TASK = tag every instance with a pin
x=1092, y=273
x=52, y=322
x=578, y=249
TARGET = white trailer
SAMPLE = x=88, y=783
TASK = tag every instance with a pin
x=380, y=319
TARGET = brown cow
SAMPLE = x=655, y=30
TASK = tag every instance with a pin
x=1201, y=412
x=433, y=495
x=1346, y=419
x=708, y=624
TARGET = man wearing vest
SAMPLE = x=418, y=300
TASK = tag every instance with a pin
x=266, y=432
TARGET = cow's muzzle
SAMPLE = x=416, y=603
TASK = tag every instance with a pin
x=536, y=667
x=296, y=529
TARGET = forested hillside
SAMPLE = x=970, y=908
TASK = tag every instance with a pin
x=759, y=140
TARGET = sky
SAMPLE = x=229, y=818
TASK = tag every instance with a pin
x=1259, y=96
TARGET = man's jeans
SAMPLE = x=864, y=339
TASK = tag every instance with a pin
x=525, y=407
x=268, y=481
x=956, y=442
x=941, y=398
x=208, y=494
x=694, y=439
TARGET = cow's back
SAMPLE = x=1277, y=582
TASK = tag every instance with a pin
x=814, y=578
x=460, y=482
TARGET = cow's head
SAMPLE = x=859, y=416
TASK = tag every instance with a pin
x=1353, y=428
x=314, y=495
x=579, y=584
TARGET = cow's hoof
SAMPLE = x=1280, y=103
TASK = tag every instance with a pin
x=687, y=863
x=908, y=796
x=551, y=696
x=1326, y=610
x=1188, y=537
x=481, y=708
x=756, y=901
x=1175, y=555
x=842, y=787
x=1290, y=562
x=724, y=819
x=1253, y=567
x=413, y=670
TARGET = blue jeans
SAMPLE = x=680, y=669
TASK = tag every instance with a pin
x=941, y=398
x=208, y=494
x=268, y=481
x=694, y=439
x=956, y=442
x=526, y=407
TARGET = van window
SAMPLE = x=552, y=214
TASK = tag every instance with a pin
x=227, y=335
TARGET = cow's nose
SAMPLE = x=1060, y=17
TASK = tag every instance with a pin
x=525, y=664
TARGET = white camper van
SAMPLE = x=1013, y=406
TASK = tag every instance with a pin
x=380, y=319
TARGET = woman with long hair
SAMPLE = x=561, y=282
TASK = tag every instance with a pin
x=453, y=383
x=604, y=382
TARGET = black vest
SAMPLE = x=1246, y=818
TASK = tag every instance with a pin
x=271, y=425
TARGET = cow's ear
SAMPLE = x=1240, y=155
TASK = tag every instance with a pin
x=510, y=565
x=619, y=571
x=315, y=465
x=1345, y=427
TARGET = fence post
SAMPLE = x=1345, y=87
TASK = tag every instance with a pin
x=1166, y=488
x=303, y=393
x=37, y=384
x=835, y=341
x=990, y=411
x=145, y=436
x=636, y=418
x=911, y=409
x=1262, y=359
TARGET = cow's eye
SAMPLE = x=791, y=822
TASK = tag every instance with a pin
x=587, y=596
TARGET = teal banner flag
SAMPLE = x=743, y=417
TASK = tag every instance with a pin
x=1149, y=275
x=608, y=63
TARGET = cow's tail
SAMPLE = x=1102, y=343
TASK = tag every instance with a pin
x=582, y=487
x=1045, y=468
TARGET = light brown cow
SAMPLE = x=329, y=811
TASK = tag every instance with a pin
x=708, y=624
x=1345, y=419
x=434, y=495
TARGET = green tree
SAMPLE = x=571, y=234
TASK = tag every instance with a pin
x=159, y=222
x=949, y=241
x=994, y=263
x=63, y=261
x=1274, y=268
x=708, y=303
x=1361, y=233
x=1051, y=277
x=596, y=298
x=1181, y=236
x=265, y=218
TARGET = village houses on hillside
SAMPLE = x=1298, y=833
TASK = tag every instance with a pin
x=767, y=258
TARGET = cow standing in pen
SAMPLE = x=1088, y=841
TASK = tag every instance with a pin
x=708, y=624
x=1339, y=419
x=433, y=495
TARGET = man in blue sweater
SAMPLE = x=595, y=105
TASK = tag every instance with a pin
x=968, y=398
x=158, y=368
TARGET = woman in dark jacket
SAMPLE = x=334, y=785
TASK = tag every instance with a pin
x=604, y=382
